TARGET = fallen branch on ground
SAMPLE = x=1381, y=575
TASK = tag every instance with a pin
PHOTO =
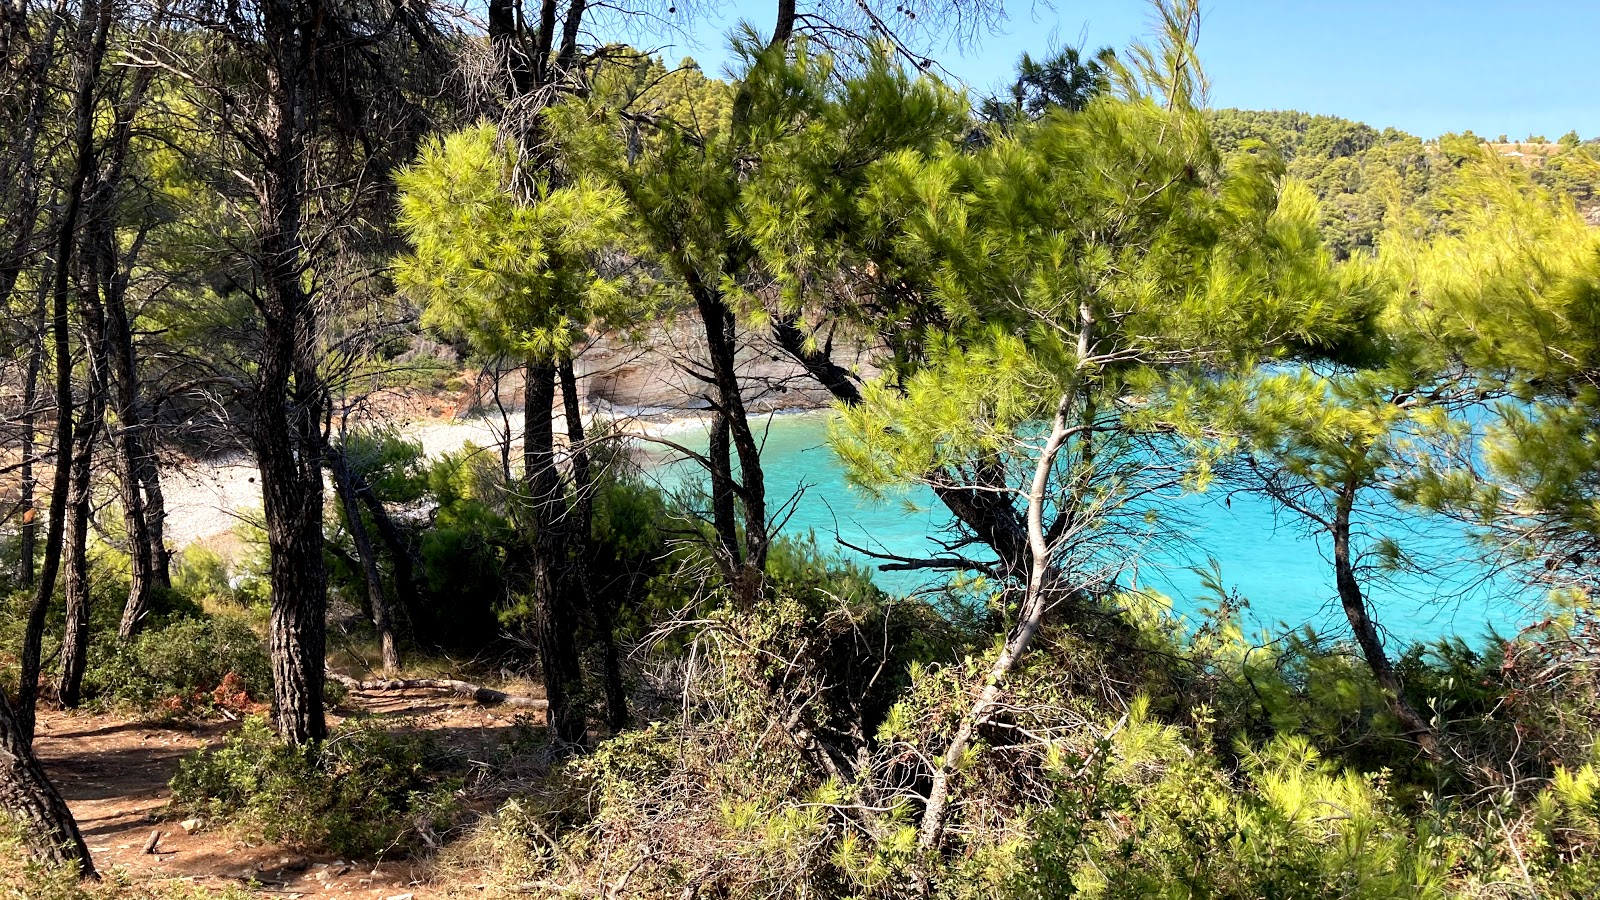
x=479, y=693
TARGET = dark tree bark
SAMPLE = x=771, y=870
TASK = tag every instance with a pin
x=988, y=514
x=290, y=399
x=783, y=28
x=1366, y=632
x=28, y=546
x=582, y=528
x=94, y=27
x=400, y=552
x=80, y=504
x=748, y=574
x=19, y=150
x=155, y=509
x=27, y=795
x=80, y=495
x=20, y=154
x=115, y=335
x=558, y=655
x=377, y=601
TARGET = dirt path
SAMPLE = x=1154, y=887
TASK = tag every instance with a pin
x=113, y=773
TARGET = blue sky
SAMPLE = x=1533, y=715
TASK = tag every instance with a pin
x=1425, y=66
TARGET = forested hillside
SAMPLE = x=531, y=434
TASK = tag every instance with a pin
x=1361, y=174
x=487, y=317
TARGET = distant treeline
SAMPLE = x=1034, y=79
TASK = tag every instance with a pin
x=1361, y=173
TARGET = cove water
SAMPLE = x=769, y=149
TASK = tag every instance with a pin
x=1263, y=556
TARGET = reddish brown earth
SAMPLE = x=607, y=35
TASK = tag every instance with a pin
x=114, y=771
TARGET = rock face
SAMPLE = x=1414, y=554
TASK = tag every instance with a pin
x=655, y=373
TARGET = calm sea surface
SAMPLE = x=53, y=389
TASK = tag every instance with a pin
x=1283, y=572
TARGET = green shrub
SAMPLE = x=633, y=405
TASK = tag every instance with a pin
x=201, y=574
x=365, y=792
x=1162, y=819
x=182, y=665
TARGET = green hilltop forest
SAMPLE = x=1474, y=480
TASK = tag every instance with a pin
x=525, y=666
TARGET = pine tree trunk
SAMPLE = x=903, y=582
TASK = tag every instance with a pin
x=290, y=400
x=35, y=107
x=126, y=445
x=405, y=578
x=557, y=638
x=29, y=797
x=287, y=444
x=94, y=27
x=28, y=545
x=582, y=528
x=748, y=576
x=75, y=640
x=990, y=514
x=127, y=437
x=1366, y=632
x=155, y=509
x=382, y=617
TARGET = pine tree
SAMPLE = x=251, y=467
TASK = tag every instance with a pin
x=521, y=279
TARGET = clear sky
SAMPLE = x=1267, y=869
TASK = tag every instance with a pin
x=1425, y=66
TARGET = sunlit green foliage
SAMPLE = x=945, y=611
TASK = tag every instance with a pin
x=513, y=268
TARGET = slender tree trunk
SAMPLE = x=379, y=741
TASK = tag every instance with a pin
x=127, y=435
x=405, y=579
x=382, y=618
x=109, y=330
x=155, y=508
x=558, y=655
x=27, y=795
x=934, y=814
x=582, y=527
x=35, y=110
x=748, y=575
x=1366, y=632
x=75, y=641
x=94, y=28
x=27, y=194
x=29, y=544
x=127, y=445
x=987, y=511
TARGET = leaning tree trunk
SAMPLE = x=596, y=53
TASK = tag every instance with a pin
x=27, y=796
x=985, y=509
x=382, y=616
x=557, y=638
x=1366, y=632
x=748, y=574
x=127, y=445
x=400, y=553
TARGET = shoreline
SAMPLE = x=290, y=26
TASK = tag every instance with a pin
x=207, y=497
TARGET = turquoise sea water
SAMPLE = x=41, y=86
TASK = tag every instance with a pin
x=1282, y=572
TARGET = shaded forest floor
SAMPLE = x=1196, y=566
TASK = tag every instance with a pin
x=114, y=771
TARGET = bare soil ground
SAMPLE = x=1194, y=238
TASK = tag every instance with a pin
x=114, y=771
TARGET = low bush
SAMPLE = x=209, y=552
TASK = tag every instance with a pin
x=367, y=791
x=187, y=666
